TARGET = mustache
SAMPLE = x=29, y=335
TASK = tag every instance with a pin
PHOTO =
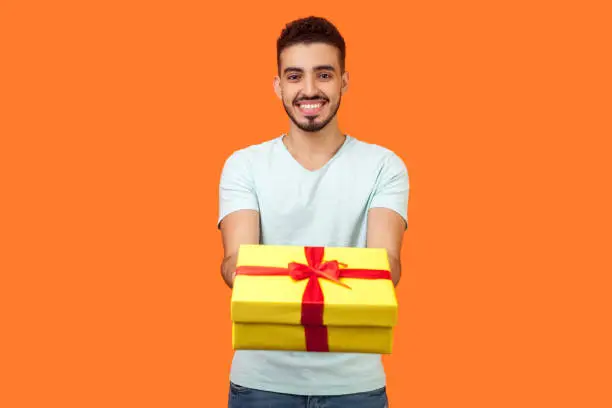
x=311, y=98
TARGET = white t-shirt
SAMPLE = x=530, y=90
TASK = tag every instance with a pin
x=326, y=207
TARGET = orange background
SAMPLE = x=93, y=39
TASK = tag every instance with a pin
x=110, y=287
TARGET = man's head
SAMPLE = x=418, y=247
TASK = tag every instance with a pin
x=311, y=72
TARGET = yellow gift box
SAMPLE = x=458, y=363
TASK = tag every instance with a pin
x=313, y=299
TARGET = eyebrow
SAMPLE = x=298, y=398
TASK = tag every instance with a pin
x=317, y=68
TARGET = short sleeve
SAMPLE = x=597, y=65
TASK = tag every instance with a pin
x=393, y=186
x=236, y=186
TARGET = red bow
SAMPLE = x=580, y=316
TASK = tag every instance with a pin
x=329, y=270
x=312, y=299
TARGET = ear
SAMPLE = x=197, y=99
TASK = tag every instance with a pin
x=345, y=82
x=277, y=88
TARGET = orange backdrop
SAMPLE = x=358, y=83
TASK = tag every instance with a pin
x=117, y=118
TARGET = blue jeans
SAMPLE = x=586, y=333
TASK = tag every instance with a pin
x=242, y=397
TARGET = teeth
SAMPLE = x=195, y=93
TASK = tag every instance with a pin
x=310, y=106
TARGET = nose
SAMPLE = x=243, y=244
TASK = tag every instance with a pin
x=310, y=86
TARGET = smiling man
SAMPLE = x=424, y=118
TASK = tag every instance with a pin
x=312, y=103
x=312, y=186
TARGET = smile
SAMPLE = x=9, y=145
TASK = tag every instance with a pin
x=310, y=108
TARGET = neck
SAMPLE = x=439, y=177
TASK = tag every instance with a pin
x=324, y=142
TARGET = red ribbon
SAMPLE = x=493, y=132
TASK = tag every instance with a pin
x=312, y=299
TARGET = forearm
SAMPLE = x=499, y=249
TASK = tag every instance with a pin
x=238, y=228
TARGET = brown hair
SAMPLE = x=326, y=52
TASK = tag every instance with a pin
x=311, y=30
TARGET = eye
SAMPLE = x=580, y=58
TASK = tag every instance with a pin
x=325, y=75
x=293, y=77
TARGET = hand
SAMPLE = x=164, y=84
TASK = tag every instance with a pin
x=228, y=270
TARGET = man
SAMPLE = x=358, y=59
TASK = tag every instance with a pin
x=313, y=186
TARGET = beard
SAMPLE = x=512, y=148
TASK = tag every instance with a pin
x=311, y=125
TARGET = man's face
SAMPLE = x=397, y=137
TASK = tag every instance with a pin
x=311, y=84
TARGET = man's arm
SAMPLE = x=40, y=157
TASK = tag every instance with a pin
x=386, y=230
x=238, y=228
x=238, y=211
x=388, y=213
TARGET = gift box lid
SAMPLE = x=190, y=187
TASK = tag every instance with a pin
x=278, y=298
